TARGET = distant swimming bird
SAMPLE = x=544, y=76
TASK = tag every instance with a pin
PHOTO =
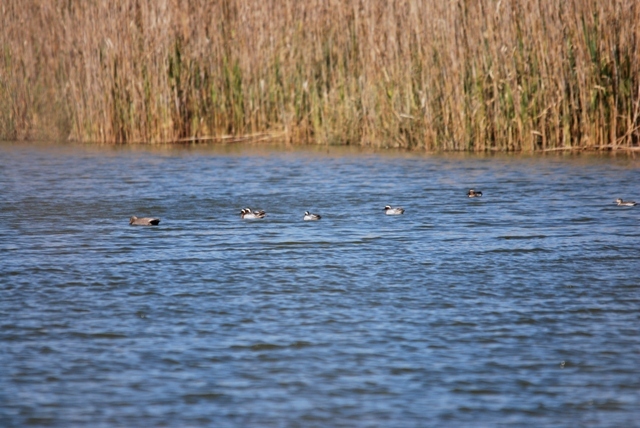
x=474, y=194
x=308, y=216
x=393, y=211
x=622, y=203
x=252, y=215
x=144, y=221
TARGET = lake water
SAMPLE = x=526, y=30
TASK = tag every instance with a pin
x=520, y=308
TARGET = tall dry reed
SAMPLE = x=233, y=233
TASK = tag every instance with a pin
x=474, y=75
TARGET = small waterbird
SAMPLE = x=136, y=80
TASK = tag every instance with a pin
x=251, y=215
x=144, y=221
x=308, y=216
x=622, y=203
x=474, y=194
x=393, y=211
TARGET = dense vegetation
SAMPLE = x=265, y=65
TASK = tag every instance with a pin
x=471, y=75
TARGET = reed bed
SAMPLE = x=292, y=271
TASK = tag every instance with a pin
x=467, y=75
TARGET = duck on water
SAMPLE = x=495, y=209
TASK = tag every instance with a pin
x=388, y=210
x=252, y=215
x=622, y=203
x=311, y=217
x=144, y=221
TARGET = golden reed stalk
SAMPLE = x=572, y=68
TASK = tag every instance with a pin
x=474, y=75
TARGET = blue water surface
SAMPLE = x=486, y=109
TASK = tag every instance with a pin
x=520, y=308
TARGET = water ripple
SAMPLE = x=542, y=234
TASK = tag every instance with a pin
x=514, y=309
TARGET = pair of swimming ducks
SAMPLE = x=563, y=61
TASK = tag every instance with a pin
x=251, y=215
x=475, y=194
x=248, y=214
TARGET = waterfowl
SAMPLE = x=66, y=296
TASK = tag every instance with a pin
x=622, y=203
x=144, y=221
x=393, y=211
x=308, y=216
x=474, y=194
x=251, y=215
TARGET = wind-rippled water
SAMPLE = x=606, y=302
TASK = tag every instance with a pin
x=520, y=308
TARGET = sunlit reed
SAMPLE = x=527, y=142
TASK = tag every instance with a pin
x=476, y=75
